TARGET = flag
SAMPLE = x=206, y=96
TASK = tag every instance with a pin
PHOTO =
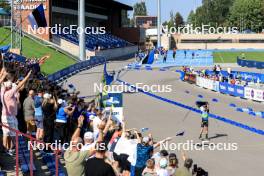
x=108, y=79
x=37, y=17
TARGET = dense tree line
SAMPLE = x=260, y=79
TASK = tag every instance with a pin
x=244, y=14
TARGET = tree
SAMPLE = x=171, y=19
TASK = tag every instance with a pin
x=212, y=12
x=140, y=9
x=5, y=4
x=178, y=20
x=191, y=18
x=247, y=14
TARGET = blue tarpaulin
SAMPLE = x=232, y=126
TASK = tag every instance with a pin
x=250, y=63
x=15, y=57
x=4, y=49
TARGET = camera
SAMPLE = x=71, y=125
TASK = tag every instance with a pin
x=198, y=171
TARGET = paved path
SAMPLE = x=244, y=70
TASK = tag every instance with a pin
x=165, y=119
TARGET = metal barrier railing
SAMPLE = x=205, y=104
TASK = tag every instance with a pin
x=31, y=139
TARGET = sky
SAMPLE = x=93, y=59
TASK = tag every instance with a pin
x=182, y=6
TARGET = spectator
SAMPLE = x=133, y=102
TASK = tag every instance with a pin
x=89, y=142
x=62, y=115
x=96, y=120
x=49, y=107
x=38, y=99
x=173, y=164
x=29, y=112
x=174, y=53
x=156, y=55
x=185, y=170
x=74, y=158
x=97, y=166
x=9, y=110
x=150, y=168
x=218, y=69
x=162, y=171
x=125, y=150
x=161, y=154
x=165, y=56
x=145, y=149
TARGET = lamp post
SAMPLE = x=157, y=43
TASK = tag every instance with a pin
x=82, y=48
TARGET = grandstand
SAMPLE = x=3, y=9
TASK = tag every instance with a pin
x=94, y=41
x=97, y=14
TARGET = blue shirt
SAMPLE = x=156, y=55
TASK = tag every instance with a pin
x=61, y=116
x=143, y=154
x=38, y=105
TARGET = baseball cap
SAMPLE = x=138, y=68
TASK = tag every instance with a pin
x=47, y=96
x=88, y=135
x=145, y=139
x=60, y=101
x=8, y=84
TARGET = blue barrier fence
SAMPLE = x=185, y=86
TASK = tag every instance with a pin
x=94, y=61
x=250, y=63
x=234, y=90
x=246, y=92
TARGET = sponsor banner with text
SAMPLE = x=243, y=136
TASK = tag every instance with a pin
x=254, y=94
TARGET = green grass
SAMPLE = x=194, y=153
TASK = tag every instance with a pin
x=56, y=62
x=231, y=57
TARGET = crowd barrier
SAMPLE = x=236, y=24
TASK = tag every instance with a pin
x=29, y=159
x=245, y=92
x=208, y=84
x=234, y=90
x=246, y=76
x=254, y=94
x=250, y=63
x=94, y=61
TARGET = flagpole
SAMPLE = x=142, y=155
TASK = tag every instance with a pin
x=20, y=31
x=11, y=22
x=159, y=24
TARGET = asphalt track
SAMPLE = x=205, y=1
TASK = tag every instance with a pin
x=166, y=119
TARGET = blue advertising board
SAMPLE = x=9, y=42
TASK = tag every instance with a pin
x=234, y=90
x=114, y=104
